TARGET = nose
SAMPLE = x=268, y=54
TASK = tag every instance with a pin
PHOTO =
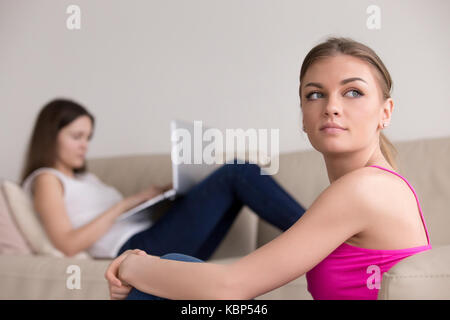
x=84, y=145
x=332, y=106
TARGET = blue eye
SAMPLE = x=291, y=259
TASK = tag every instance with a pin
x=351, y=93
x=355, y=94
x=313, y=95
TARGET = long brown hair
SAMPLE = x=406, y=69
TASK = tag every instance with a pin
x=334, y=46
x=42, y=147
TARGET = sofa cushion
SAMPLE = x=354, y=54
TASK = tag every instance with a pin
x=28, y=222
x=11, y=240
x=43, y=277
x=422, y=276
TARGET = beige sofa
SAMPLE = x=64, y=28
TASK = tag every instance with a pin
x=425, y=163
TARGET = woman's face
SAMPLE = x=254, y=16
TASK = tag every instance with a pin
x=342, y=90
x=73, y=142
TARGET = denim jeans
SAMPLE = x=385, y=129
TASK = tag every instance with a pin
x=197, y=222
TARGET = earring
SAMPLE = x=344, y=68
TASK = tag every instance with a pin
x=385, y=124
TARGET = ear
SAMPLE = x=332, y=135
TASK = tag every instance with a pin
x=388, y=107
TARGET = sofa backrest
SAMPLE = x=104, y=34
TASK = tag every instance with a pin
x=132, y=173
x=425, y=164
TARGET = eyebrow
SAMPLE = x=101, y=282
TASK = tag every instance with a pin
x=345, y=81
x=76, y=132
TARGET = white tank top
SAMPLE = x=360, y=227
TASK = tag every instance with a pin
x=86, y=197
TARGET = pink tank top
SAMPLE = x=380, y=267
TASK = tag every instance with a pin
x=355, y=273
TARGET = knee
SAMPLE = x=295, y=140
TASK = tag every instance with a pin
x=236, y=170
x=241, y=165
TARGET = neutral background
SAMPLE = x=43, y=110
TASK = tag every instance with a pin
x=232, y=64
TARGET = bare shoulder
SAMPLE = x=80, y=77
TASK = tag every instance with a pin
x=376, y=186
x=354, y=198
x=367, y=178
x=49, y=202
x=47, y=183
x=364, y=175
x=371, y=188
x=391, y=210
x=363, y=183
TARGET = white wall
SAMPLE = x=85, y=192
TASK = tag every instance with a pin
x=230, y=63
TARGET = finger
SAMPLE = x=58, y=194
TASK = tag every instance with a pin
x=120, y=293
x=115, y=294
x=113, y=269
x=140, y=252
x=111, y=277
x=121, y=290
x=119, y=296
x=111, y=273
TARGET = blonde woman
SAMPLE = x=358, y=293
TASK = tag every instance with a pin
x=368, y=218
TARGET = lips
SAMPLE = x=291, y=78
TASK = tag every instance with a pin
x=332, y=130
x=332, y=125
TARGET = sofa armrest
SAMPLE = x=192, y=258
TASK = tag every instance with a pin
x=425, y=275
x=29, y=277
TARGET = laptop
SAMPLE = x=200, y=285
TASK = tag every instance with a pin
x=184, y=175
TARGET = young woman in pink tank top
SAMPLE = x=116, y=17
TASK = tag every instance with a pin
x=360, y=226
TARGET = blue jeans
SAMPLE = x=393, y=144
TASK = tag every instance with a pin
x=197, y=222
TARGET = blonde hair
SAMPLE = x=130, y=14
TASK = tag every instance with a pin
x=334, y=46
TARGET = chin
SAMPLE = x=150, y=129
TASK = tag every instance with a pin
x=78, y=165
x=329, y=147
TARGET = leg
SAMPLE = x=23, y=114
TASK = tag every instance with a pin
x=135, y=294
x=198, y=221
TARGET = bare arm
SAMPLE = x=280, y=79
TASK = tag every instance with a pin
x=176, y=279
x=49, y=203
x=336, y=215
